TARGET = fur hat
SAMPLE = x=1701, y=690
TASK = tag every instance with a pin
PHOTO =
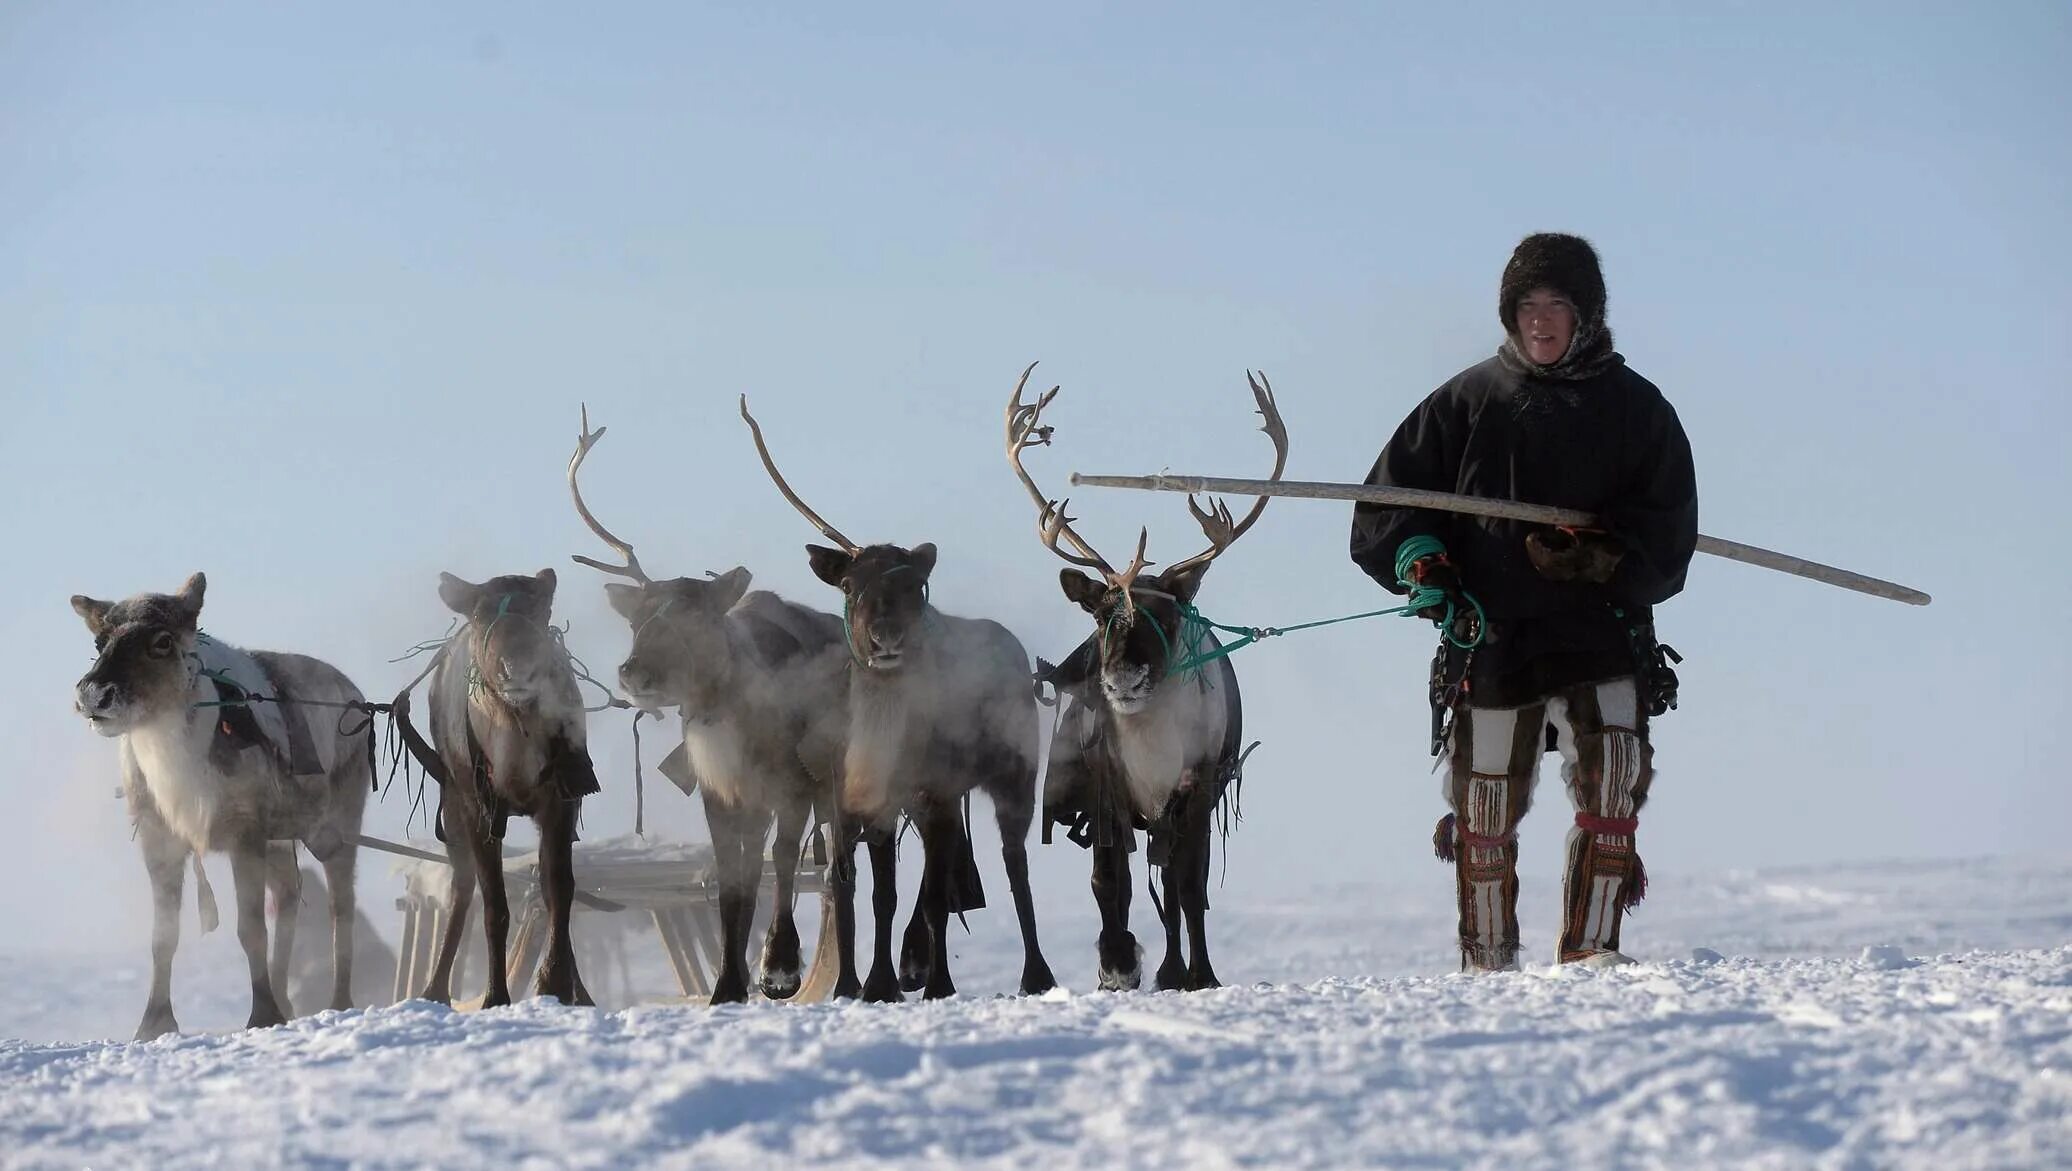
x=1553, y=260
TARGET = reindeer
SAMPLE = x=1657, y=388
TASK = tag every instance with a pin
x=1150, y=736
x=751, y=673
x=936, y=707
x=507, y=727
x=209, y=764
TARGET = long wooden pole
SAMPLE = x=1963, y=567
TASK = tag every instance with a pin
x=1505, y=509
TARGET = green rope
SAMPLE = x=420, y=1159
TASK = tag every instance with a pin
x=1195, y=627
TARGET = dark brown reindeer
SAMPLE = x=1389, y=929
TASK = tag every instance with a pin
x=751, y=674
x=205, y=769
x=508, y=727
x=936, y=706
x=1149, y=736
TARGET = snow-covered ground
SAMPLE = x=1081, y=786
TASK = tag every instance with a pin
x=1866, y=1016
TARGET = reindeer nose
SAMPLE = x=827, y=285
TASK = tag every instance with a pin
x=95, y=697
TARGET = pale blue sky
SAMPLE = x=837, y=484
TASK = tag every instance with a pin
x=308, y=299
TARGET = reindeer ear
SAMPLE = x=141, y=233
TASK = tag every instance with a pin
x=727, y=588
x=1088, y=592
x=829, y=565
x=93, y=611
x=459, y=596
x=1183, y=583
x=624, y=598
x=547, y=581
x=923, y=558
x=191, y=593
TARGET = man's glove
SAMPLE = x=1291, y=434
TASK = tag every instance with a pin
x=1437, y=573
x=1565, y=554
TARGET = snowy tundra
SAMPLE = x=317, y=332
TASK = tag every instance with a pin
x=1894, y=1015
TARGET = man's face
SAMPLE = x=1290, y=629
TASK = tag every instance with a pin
x=1546, y=323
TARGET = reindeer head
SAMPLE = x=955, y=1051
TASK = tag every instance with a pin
x=1140, y=626
x=884, y=595
x=681, y=654
x=519, y=659
x=884, y=587
x=145, y=664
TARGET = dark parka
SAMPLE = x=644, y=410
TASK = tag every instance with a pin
x=1587, y=433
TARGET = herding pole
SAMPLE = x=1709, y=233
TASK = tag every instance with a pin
x=1504, y=509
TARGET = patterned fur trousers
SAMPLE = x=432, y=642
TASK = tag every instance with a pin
x=1606, y=763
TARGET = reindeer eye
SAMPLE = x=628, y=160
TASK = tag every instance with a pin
x=162, y=644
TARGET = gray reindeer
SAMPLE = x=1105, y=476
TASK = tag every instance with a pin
x=508, y=728
x=209, y=764
x=936, y=706
x=753, y=675
x=1150, y=732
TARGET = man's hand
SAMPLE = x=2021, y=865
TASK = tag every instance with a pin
x=1565, y=554
x=1437, y=573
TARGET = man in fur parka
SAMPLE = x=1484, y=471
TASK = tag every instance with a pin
x=1555, y=418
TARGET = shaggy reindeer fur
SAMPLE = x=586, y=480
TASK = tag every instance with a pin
x=508, y=725
x=189, y=793
x=751, y=675
x=1138, y=747
x=937, y=706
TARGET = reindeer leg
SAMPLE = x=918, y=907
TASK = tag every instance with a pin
x=1122, y=960
x=783, y=966
x=915, y=956
x=340, y=865
x=248, y=875
x=1172, y=970
x=165, y=861
x=1194, y=889
x=496, y=911
x=1014, y=810
x=844, y=833
x=460, y=895
x=557, y=975
x=882, y=985
x=940, y=843
x=284, y=879
x=729, y=843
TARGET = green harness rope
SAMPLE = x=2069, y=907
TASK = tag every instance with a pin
x=1195, y=627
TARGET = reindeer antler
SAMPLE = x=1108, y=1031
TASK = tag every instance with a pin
x=632, y=568
x=1215, y=520
x=769, y=465
x=1023, y=432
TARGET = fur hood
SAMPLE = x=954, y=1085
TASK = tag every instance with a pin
x=1568, y=265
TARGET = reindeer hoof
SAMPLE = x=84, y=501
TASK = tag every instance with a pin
x=497, y=998
x=158, y=1021
x=913, y=972
x=1036, y=979
x=939, y=987
x=1172, y=976
x=1202, y=979
x=882, y=988
x=778, y=984
x=730, y=992
x=1122, y=965
x=265, y=1016
x=846, y=988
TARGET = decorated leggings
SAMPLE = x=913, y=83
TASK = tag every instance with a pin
x=1606, y=763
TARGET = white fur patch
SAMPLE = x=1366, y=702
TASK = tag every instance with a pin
x=718, y=757
x=878, y=722
x=1182, y=725
x=172, y=755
